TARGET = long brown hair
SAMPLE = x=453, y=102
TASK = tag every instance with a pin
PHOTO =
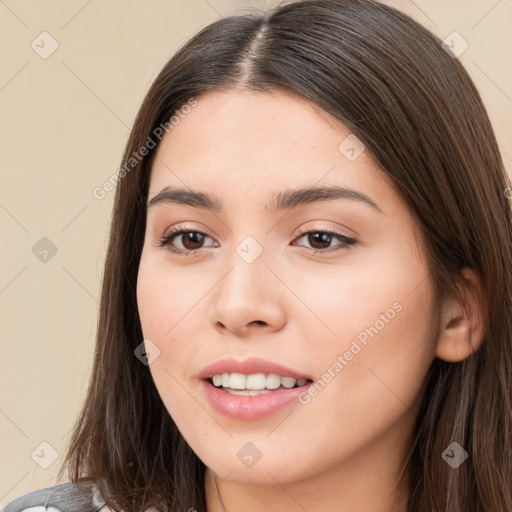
x=417, y=111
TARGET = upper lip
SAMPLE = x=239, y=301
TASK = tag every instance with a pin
x=248, y=367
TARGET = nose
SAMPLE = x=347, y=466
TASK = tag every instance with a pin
x=248, y=297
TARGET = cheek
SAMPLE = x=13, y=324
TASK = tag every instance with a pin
x=380, y=292
x=163, y=319
x=164, y=298
x=169, y=303
x=373, y=333
x=371, y=372
x=148, y=299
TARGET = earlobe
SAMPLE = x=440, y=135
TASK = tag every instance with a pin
x=462, y=326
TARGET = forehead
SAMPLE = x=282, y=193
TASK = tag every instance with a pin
x=246, y=143
x=243, y=122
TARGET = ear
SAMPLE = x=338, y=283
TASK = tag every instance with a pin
x=462, y=329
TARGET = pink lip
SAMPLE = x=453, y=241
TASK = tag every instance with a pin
x=250, y=407
x=249, y=366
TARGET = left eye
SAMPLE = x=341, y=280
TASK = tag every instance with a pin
x=192, y=240
x=322, y=237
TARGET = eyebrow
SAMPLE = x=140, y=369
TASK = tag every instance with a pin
x=284, y=200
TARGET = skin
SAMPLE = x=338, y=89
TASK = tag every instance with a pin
x=344, y=449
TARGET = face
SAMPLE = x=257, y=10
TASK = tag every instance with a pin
x=330, y=296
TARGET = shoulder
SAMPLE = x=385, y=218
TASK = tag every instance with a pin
x=67, y=497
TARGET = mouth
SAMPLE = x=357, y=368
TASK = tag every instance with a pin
x=251, y=389
x=255, y=384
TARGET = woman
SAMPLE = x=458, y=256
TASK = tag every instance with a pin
x=306, y=294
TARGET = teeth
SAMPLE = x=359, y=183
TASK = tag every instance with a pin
x=217, y=380
x=288, y=382
x=237, y=381
x=255, y=382
x=247, y=392
x=273, y=381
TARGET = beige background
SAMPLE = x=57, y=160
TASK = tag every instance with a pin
x=64, y=122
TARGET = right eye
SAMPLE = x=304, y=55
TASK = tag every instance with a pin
x=191, y=241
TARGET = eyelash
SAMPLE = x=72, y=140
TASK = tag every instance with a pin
x=176, y=231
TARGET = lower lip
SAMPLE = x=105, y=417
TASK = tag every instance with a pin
x=251, y=407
